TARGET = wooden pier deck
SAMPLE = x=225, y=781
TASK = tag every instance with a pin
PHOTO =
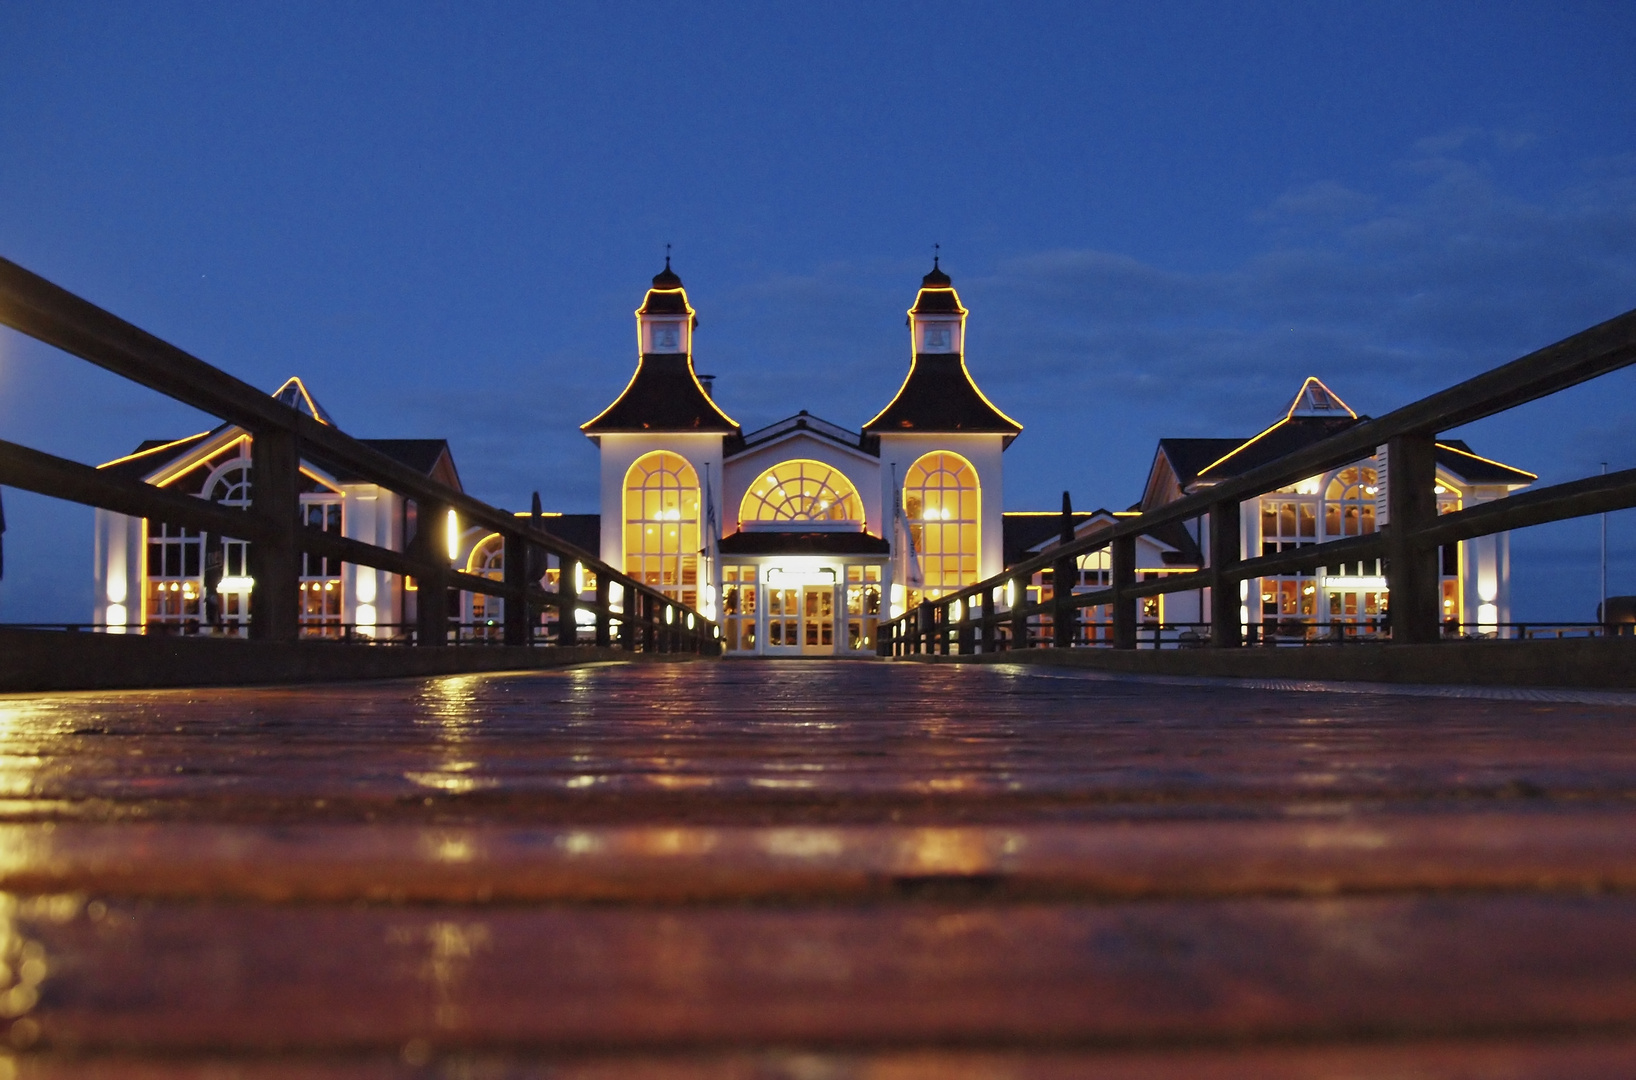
x=815, y=870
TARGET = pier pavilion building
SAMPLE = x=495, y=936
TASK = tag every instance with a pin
x=801, y=535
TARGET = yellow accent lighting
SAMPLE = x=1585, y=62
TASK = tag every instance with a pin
x=452, y=534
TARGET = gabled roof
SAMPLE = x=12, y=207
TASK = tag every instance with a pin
x=809, y=424
x=153, y=457
x=1316, y=399
x=294, y=394
x=1316, y=413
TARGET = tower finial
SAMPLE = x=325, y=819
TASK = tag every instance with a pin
x=667, y=256
x=937, y=253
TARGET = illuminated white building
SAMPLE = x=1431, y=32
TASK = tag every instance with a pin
x=801, y=534
x=161, y=578
x=1333, y=602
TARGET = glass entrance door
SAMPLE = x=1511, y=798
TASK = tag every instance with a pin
x=783, y=618
x=818, y=620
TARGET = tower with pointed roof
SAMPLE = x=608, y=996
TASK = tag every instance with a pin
x=666, y=427
x=939, y=415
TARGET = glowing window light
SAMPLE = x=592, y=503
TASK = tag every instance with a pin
x=690, y=620
x=670, y=615
x=957, y=611
x=117, y=615
x=235, y=583
x=453, y=534
x=365, y=615
x=1011, y=593
x=584, y=617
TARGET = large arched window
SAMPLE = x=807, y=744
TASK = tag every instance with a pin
x=662, y=525
x=1349, y=502
x=942, y=499
x=801, y=490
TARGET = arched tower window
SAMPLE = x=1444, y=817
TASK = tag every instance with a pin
x=1349, y=502
x=662, y=525
x=802, y=490
x=942, y=500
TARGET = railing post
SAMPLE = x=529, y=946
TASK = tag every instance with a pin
x=432, y=594
x=967, y=633
x=1412, y=580
x=1064, y=573
x=631, y=603
x=1064, y=616
x=1017, y=589
x=603, y=636
x=567, y=624
x=516, y=564
x=1122, y=558
x=1226, y=628
x=275, y=562
x=990, y=630
x=650, y=637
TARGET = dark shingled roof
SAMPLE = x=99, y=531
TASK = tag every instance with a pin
x=662, y=396
x=939, y=395
x=804, y=543
x=1282, y=438
x=1188, y=456
x=1020, y=532
x=422, y=455
x=135, y=468
x=584, y=531
x=1458, y=458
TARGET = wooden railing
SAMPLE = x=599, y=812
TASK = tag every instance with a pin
x=643, y=619
x=976, y=619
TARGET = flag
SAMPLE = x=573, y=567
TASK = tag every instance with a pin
x=712, y=541
x=903, y=539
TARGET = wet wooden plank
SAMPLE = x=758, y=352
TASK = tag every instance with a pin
x=746, y=743
x=1582, y=1058
x=1566, y=850
x=268, y=978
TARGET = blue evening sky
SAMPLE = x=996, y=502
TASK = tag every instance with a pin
x=1162, y=216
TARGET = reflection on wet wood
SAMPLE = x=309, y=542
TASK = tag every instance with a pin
x=874, y=870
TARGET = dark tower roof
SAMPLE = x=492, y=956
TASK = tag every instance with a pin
x=664, y=394
x=939, y=394
x=667, y=297
x=937, y=295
